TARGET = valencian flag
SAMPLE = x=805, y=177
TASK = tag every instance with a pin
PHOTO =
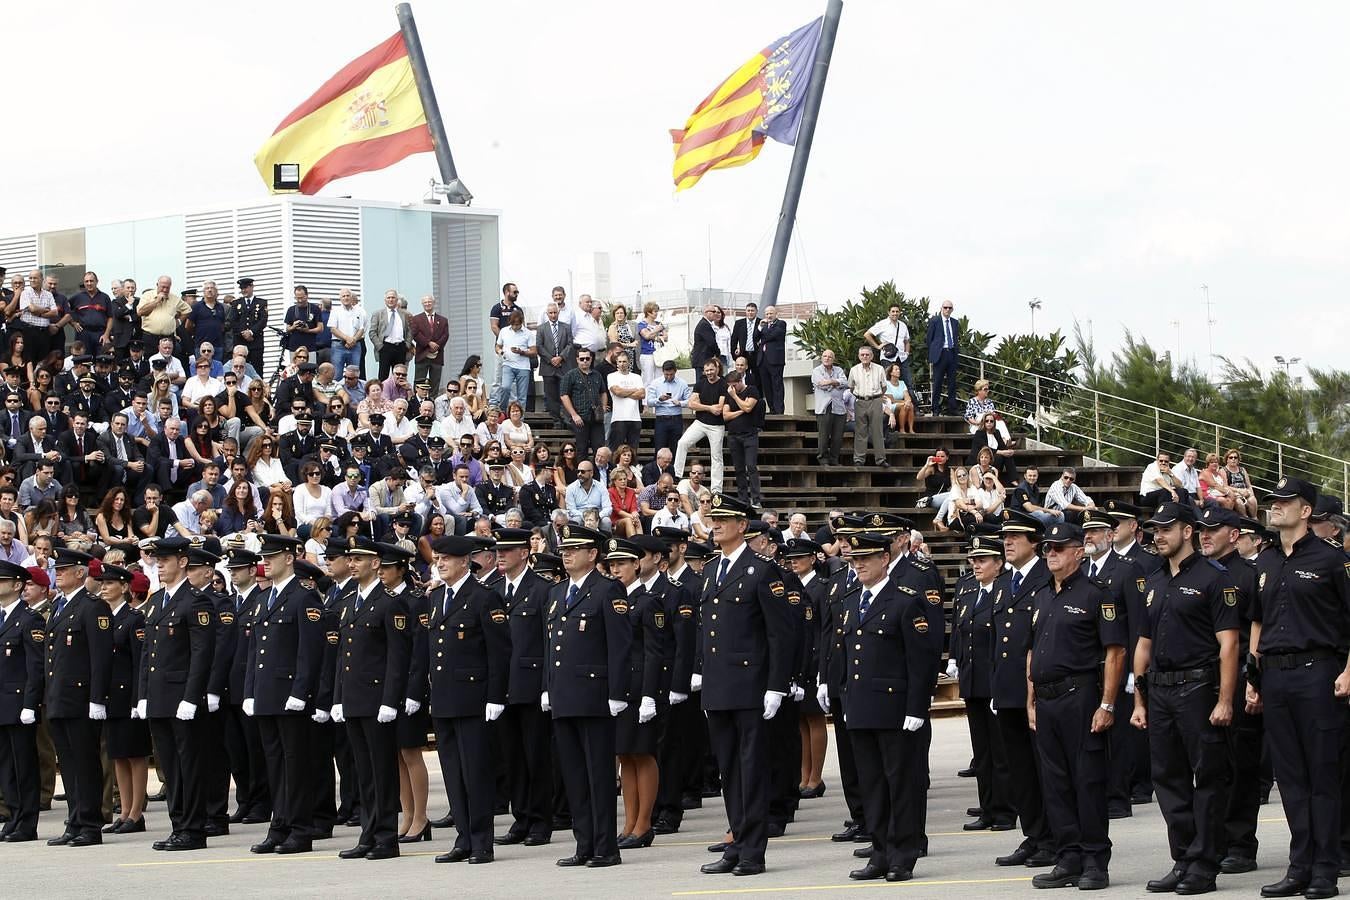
x=762, y=97
x=366, y=117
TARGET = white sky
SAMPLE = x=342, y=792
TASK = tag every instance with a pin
x=1106, y=159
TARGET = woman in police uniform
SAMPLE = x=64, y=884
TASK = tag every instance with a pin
x=414, y=720
x=128, y=739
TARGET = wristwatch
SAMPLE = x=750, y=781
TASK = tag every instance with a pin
x=1109, y=707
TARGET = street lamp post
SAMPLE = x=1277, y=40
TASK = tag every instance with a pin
x=1033, y=304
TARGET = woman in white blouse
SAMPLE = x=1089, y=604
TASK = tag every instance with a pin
x=518, y=471
x=515, y=431
x=266, y=467
x=311, y=499
x=723, y=332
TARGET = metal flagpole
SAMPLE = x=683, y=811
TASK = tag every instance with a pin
x=801, y=153
x=454, y=189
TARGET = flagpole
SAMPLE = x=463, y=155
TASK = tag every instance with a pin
x=773, y=278
x=454, y=189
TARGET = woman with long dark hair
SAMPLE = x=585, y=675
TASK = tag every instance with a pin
x=238, y=514
x=128, y=739
x=113, y=521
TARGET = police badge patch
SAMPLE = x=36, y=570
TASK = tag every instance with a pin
x=38, y=637
x=140, y=634
x=1109, y=612
x=498, y=616
x=776, y=588
x=332, y=637
x=313, y=614
x=934, y=597
x=660, y=619
x=921, y=625
x=794, y=598
x=104, y=623
x=424, y=619
x=400, y=622
x=203, y=618
x=227, y=618
x=1230, y=596
x=686, y=612
x=621, y=607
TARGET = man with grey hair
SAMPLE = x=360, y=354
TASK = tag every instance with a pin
x=11, y=548
x=553, y=338
x=588, y=331
x=189, y=513
x=347, y=323
x=430, y=334
x=459, y=424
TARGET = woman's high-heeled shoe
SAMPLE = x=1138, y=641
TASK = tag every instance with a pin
x=130, y=827
x=812, y=793
x=637, y=841
x=410, y=838
x=114, y=827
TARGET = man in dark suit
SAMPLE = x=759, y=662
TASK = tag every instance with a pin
x=37, y=444
x=85, y=463
x=14, y=424
x=746, y=338
x=553, y=338
x=173, y=466
x=430, y=333
x=705, y=340
x=23, y=634
x=773, y=357
x=245, y=320
x=125, y=460
x=944, y=348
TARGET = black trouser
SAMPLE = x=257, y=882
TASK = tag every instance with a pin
x=683, y=740
x=19, y=778
x=349, y=803
x=848, y=766
x=215, y=766
x=1123, y=745
x=667, y=433
x=552, y=405
x=430, y=371
x=745, y=460
x=178, y=747
x=390, y=355
x=621, y=433
x=375, y=754
x=884, y=758
x=991, y=763
x=285, y=741
x=36, y=340
x=785, y=762
x=322, y=780
x=1073, y=775
x=1245, y=737
x=944, y=369
x=528, y=750
x=829, y=436
x=1024, y=785
x=586, y=757
x=250, y=785
x=587, y=436
x=1190, y=772
x=1304, y=721
x=466, y=768
x=772, y=379
x=76, y=742
x=739, y=739
x=917, y=807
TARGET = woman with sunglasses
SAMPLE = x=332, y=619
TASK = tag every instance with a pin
x=162, y=390
x=312, y=499
x=199, y=444
x=518, y=471
x=40, y=388
x=624, y=519
x=700, y=521
x=73, y=523
x=958, y=501
x=265, y=466
x=338, y=407
x=1239, y=485
x=257, y=416
x=113, y=521
x=475, y=398
x=128, y=739
x=320, y=530
x=565, y=472
x=209, y=411
x=492, y=453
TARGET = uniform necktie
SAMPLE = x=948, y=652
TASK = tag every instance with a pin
x=1092, y=569
x=722, y=571
x=271, y=599
x=852, y=579
x=572, y=596
x=864, y=605
x=449, y=598
x=1016, y=581
x=60, y=605
x=2, y=620
x=510, y=595
x=981, y=600
x=357, y=599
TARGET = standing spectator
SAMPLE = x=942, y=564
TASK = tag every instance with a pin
x=245, y=321
x=123, y=320
x=161, y=310
x=515, y=345
x=1241, y=490
x=667, y=397
x=567, y=315
x=430, y=332
x=745, y=337
x=626, y=393
x=206, y=319
x=773, y=358
x=391, y=335
x=589, y=328
x=37, y=309
x=347, y=324
x=625, y=333
x=1067, y=497
x=585, y=403
x=744, y=418
x=709, y=402
x=705, y=339
x=92, y=311
x=553, y=340
x=867, y=382
x=944, y=346
x=723, y=333
x=651, y=334
x=303, y=323
x=829, y=383
x=890, y=339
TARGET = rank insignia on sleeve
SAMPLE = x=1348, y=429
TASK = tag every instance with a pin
x=400, y=621
x=1139, y=584
x=621, y=606
x=38, y=637
x=552, y=606
x=1230, y=596
x=921, y=625
x=424, y=619
x=1035, y=614
x=332, y=637
x=834, y=589
x=314, y=614
x=1261, y=582
x=140, y=634
x=498, y=616
x=1347, y=572
x=342, y=616
x=203, y=618
x=686, y=612
x=1109, y=612
x=1148, y=601
x=962, y=613
x=934, y=597
x=776, y=588
x=794, y=598
x=810, y=614
x=227, y=618
x=660, y=619
x=104, y=623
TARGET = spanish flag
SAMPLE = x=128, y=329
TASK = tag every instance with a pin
x=366, y=117
x=763, y=97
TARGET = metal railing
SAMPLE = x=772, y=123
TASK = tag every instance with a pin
x=1119, y=431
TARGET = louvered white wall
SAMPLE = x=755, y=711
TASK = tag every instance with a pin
x=325, y=250
x=208, y=240
x=18, y=255
x=260, y=256
x=456, y=260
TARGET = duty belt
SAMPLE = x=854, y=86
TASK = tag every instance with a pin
x=1182, y=676
x=1063, y=686
x=1294, y=659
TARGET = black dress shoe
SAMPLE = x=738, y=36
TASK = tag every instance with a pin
x=980, y=824
x=869, y=872
x=251, y=819
x=357, y=852
x=86, y=840
x=183, y=842
x=266, y=845
x=720, y=847
x=1166, y=884
x=748, y=868
x=511, y=837
x=720, y=867
x=295, y=845
x=1196, y=884
x=355, y=822
x=164, y=844
x=1018, y=857
x=663, y=826
x=899, y=873
x=445, y=821
x=812, y=793
x=325, y=835
x=458, y=854
x=863, y=837
x=20, y=837
x=967, y=772
x=689, y=801
x=217, y=829
x=776, y=829
x=1236, y=865
x=1119, y=812
x=112, y=829
x=863, y=852
x=60, y=798
x=477, y=859
x=1002, y=826
x=61, y=841
x=129, y=827
x=1056, y=878
x=1140, y=797
x=562, y=823
x=845, y=836
x=383, y=851
x=1094, y=880
x=604, y=862
x=576, y=859
x=238, y=817
x=537, y=840
x=974, y=812
x=1320, y=888
x=1285, y=887
x=1040, y=859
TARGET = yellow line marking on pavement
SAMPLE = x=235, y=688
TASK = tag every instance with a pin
x=849, y=886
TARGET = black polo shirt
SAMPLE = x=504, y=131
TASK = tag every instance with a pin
x=1186, y=612
x=710, y=394
x=1071, y=629
x=751, y=422
x=1305, y=597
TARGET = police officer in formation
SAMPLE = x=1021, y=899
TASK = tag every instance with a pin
x=22, y=642
x=243, y=745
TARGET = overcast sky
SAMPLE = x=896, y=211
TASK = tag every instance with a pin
x=1107, y=159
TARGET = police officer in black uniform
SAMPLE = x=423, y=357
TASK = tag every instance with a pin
x=375, y=647
x=299, y=445
x=1302, y=683
x=747, y=662
x=494, y=494
x=1071, y=707
x=802, y=556
x=1128, y=517
x=215, y=762
x=244, y=323
x=286, y=650
x=328, y=737
x=585, y=686
x=416, y=450
x=79, y=668
x=242, y=744
x=22, y=637
x=1187, y=655
x=175, y=667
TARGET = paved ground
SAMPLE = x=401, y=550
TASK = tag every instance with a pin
x=804, y=861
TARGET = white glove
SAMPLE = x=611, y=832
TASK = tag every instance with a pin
x=913, y=723
x=795, y=692
x=772, y=700
x=493, y=711
x=696, y=682
x=543, y=702
x=992, y=708
x=320, y=717
x=952, y=672
x=676, y=698
x=98, y=712
x=295, y=704
x=646, y=710
x=823, y=697
x=336, y=713
x=386, y=714
x=212, y=702
x=248, y=707
x=411, y=706
x=617, y=706
x=1129, y=683
x=141, y=707
x=28, y=717
x=186, y=711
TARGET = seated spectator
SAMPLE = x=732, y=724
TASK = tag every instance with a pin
x=896, y=403
x=11, y=549
x=495, y=496
x=515, y=431
x=988, y=437
x=989, y=495
x=651, y=499
x=1027, y=498
x=311, y=499
x=671, y=515
x=586, y=493
x=700, y=522
x=1188, y=474
x=41, y=485
x=490, y=431
x=518, y=471
x=623, y=504
x=690, y=490
x=374, y=402
x=662, y=464
x=539, y=497
x=1214, y=487
x=980, y=404
x=475, y=398
x=151, y=520
x=42, y=519
x=239, y=514
x=936, y=479
x=320, y=530
x=113, y=520
x=625, y=457
x=1241, y=490
x=280, y=516
x=189, y=511
x=565, y=470
x=458, y=425
x=1158, y=484
x=1067, y=497
x=984, y=463
x=960, y=509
